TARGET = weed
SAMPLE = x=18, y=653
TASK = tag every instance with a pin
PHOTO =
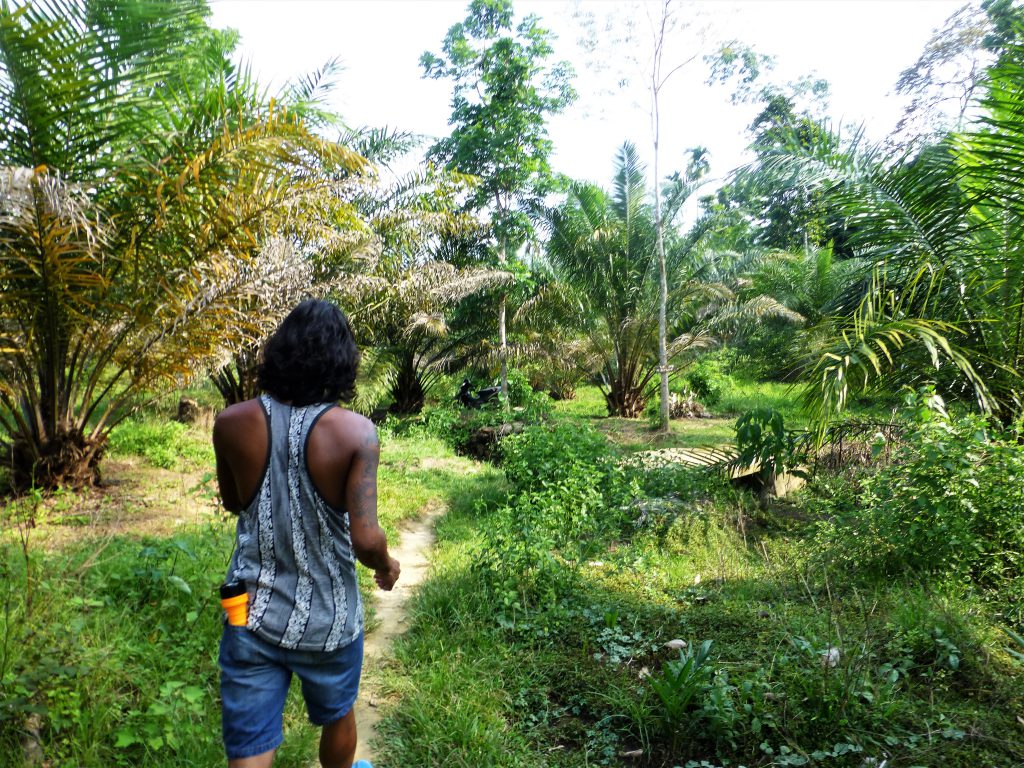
x=165, y=444
x=681, y=687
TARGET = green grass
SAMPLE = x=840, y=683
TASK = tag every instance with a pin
x=112, y=639
x=588, y=404
x=639, y=434
x=164, y=444
x=738, y=398
x=549, y=689
x=744, y=396
x=564, y=682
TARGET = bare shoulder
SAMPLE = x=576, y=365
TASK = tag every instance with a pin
x=349, y=427
x=236, y=421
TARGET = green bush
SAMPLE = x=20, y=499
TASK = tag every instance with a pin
x=522, y=395
x=949, y=506
x=762, y=439
x=709, y=377
x=660, y=477
x=927, y=639
x=165, y=444
x=569, y=498
x=456, y=425
x=543, y=455
x=767, y=352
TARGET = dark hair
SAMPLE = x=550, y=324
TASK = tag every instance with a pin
x=312, y=356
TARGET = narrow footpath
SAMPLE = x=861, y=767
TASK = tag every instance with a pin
x=412, y=552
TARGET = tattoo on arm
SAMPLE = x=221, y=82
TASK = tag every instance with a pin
x=364, y=489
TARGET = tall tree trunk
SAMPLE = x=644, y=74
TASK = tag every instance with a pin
x=656, y=83
x=502, y=337
x=408, y=396
x=663, y=369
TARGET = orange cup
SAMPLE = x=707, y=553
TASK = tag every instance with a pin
x=234, y=599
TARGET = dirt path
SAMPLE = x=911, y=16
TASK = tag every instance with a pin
x=143, y=500
x=412, y=553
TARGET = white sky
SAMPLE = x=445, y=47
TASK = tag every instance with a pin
x=859, y=46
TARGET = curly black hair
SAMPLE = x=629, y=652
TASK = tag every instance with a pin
x=312, y=356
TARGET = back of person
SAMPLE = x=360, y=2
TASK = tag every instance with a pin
x=302, y=475
x=294, y=549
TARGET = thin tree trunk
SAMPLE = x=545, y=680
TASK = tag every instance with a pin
x=502, y=337
x=660, y=228
x=663, y=297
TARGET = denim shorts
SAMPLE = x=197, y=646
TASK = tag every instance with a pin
x=254, y=681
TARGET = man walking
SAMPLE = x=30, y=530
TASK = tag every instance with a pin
x=301, y=473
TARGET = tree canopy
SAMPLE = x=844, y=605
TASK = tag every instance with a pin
x=133, y=216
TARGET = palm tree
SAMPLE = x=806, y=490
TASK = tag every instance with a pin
x=403, y=314
x=130, y=222
x=944, y=298
x=604, y=258
x=313, y=257
x=402, y=309
x=811, y=284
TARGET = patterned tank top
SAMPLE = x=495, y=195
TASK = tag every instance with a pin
x=294, y=549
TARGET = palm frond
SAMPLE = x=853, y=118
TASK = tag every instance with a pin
x=869, y=352
x=377, y=375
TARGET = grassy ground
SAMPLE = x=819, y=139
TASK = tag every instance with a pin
x=536, y=638
x=567, y=683
x=522, y=653
x=109, y=619
x=637, y=434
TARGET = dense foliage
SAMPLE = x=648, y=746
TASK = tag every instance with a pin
x=504, y=89
x=596, y=598
x=135, y=207
x=948, y=508
x=942, y=300
x=605, y=287
x=637, y=607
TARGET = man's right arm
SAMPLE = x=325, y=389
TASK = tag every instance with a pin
x=368, y=540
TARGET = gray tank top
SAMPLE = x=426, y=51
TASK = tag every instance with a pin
x=295, y=549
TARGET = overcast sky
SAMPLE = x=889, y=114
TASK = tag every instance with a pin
x=859, y=46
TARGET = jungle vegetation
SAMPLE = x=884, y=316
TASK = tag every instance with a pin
x=842, y=315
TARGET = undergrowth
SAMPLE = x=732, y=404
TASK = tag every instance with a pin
x=595, y=612
x=108, y=646
x=586, y=606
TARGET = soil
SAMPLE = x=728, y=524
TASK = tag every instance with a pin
x=412, y=552
x=135, y=499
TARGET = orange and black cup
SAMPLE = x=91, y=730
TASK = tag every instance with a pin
x=234, y=599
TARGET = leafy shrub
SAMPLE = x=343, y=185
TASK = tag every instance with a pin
x=568, y=499
x=923, y=640
x=695, y=696
x=459, y=426
x=709, y=377
x=567, y=481
x=522, y=395
x=762, y=438
x=766, y=352
x=659, y=475
x=518, y=565
x=545, y=454
x=949, y=506
x=163, y=444
x=680, y=687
